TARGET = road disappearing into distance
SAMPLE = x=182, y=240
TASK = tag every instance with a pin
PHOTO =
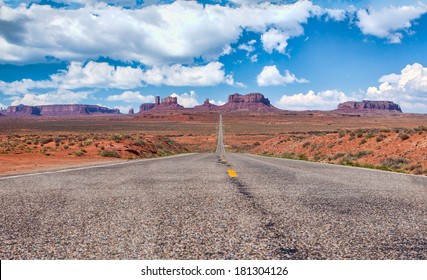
x=214, y=206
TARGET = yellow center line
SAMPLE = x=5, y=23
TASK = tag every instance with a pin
x=232, y=173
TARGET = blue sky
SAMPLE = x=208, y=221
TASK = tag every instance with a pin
x=302, y=55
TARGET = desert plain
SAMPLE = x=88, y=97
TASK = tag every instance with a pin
x=388, y=141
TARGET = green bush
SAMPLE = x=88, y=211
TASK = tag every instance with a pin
x=403, y=136
x=395, y=163
x=108, y=153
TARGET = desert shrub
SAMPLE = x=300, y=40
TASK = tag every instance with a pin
x=370, y=135
x=347, y=160
x=336, y=156
x=359, y=134
x=108, y=153
x=415, y=167
x=381, y=137
x=341, y=133
x=330, y=146
x=36, y=141
x=116, y=138
x=363, y=141
x=66, y=147
x=46, y=141
x=361, y=154
x=79, y=153
x=395, y=163
x=385, y=130
x=403, y=136
x=257, y=144
x=306, y=144
x=288, y=155
x=302, y=157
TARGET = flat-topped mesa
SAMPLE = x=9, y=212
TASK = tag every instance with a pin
x=168, y=103
x=206, y=106
x=369, y=106
x=250, y=102
x=58, y=110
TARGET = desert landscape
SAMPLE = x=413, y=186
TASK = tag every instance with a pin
x=380, y=138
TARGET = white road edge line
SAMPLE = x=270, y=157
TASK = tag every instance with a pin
x=89, y=167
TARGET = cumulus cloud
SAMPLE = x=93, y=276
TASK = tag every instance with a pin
x=270, y=76
x=187, y=99
x=102, y=75
x=389, y=22
x=408, y=89
x=324, y=100
x=131, y=96
x=158, y=34
x=274, y=39
x=98, y=75
x=179, y=75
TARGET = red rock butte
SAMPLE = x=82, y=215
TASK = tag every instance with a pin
x=368, y=106
x=236, y=102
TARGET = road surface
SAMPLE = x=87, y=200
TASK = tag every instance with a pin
x=214, y=206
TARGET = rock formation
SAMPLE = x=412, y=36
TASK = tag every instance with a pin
x=206, y=106
x=368, y=106
x=248, y=102
x=168, y=103
x=131, y=111
x=58, y=110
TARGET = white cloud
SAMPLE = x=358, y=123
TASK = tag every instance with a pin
x=227, y=50
x=178, y=75
x=103, y=75
x=254, y=58
x=336, y=14
x=131, y=96
x=219, y=102
x=158, y=34
x=187, y=100
x=408, y=89
x=247, y=48
x=270, y=76
x=389, y=22
x=98, y=75
x=57, y=97
x=324, y=100
x=274, y=39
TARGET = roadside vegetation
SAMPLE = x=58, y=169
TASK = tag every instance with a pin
x=127, y=146
x=398, y=150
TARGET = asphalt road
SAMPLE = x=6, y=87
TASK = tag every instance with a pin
x=189, y=207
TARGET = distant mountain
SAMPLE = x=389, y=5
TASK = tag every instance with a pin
x=368, y=106
x=57, y=110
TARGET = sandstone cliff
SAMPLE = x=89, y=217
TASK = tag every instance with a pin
x=236, y=102
x=168, y=103
x=248, y=102
x=369, y=106
x=58, y=110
